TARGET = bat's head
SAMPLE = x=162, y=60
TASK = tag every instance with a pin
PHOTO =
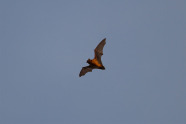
x=89, y=61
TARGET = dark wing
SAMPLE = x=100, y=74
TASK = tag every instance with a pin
x=99, y=50
x=86, y=69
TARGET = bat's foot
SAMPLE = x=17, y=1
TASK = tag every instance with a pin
x=103, y=68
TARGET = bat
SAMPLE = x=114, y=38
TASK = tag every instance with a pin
x=95, y=63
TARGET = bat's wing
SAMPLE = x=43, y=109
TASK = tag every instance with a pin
x=86, y=69
x=99, y=50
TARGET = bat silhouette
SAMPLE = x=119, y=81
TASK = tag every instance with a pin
x=96, y=62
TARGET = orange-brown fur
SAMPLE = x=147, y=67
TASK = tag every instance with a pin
x=94, y=62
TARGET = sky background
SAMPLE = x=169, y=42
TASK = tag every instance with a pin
x=45, y=43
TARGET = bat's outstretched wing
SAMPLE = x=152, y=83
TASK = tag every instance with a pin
x=86, y=69
x=99, y=50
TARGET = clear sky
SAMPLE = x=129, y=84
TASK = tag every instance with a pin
x=45, y=43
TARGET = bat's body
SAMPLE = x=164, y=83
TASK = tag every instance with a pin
x=95, y=63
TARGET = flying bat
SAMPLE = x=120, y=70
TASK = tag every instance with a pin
x=95, y=63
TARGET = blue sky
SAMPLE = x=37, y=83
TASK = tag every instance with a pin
x=44, y=45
